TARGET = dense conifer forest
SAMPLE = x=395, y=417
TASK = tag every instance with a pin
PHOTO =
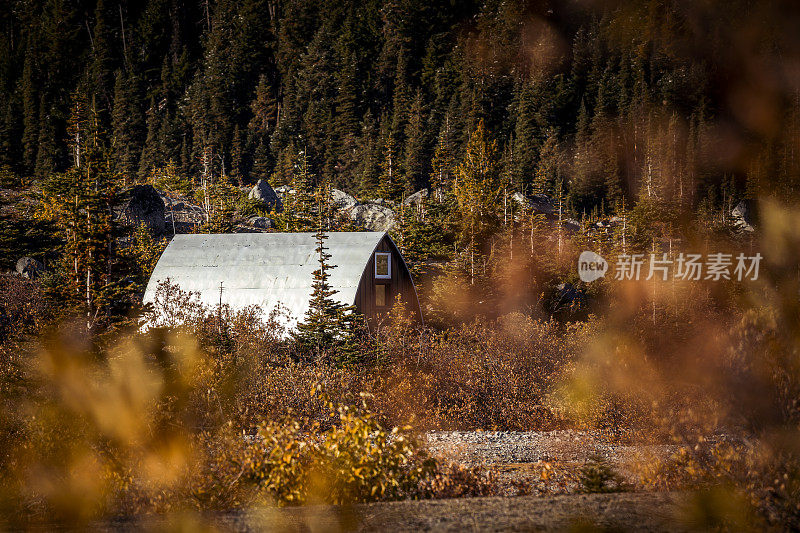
x=579, y=98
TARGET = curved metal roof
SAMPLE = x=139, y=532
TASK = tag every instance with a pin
x=264, y=269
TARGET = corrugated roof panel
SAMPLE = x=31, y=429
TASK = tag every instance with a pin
x=264, y=269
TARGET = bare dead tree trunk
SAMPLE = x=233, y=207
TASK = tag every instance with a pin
x=124, y=43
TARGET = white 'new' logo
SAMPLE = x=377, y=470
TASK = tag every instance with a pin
x=591, y=266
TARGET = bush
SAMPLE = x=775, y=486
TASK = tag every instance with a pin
x=356, y=460
x=598, y=476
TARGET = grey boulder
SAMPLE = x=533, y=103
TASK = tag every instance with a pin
x=372, y=217
x=342, y=200
x=263, y=193
x=142, y=205
x=30, y=268
x=417, y=198
x=743, y=216
x=537, y=203
x=283, y=190
x=261, y=222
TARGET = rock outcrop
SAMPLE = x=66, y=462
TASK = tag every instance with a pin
x=743, y=216
x=342, y=200
x=417, y=198
x=538, y=203
x=142, y=204
x=263, y=193
x=283, y=190
x=372, y=217
x=261, y=222
x=30, y=268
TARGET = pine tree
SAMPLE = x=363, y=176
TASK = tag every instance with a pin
x=415, y=155
x=443, y=162
x=548, y=165
x=321, y=329
x=237, y=156
x=369, y=157
x=151, y=151
x=46, y=145
x=390, y=183
x=79, y=201
x=587, y=183
x=299, y=207
x=346, y=122
x=265, y=116
x=101, y=77
x=9, y=156
x=477, y=189
x=127, y=127
x=30, y=108
x=525, y=143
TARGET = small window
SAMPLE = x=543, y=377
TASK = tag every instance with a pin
x=380, y=295
x=383, y=265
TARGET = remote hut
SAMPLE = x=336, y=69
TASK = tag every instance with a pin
x=275, y=269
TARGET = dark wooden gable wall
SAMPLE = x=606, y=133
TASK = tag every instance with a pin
x=401, y=283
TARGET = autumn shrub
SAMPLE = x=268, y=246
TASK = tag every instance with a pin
x=23, y=308
x=141, y=427
x=598, y=476
x=355, y=460
x=483, y=374
x=712, y=368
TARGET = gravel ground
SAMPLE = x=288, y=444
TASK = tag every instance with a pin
x=537, y=462
x=481, y=447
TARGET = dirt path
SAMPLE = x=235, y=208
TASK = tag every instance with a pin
x=623, y=511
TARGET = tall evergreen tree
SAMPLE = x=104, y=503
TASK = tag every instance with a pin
x=322, y=327
x=151, y=154
x=548, y=166
x=127, y=127
x=30, y=107
x=416, y=147
x=299, y=207
x=79, y=201
x=526, y=144
x=477, y=189
x=264, y=109
x=46, y=144
x=443, y=162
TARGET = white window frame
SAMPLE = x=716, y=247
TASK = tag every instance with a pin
x=389, y=263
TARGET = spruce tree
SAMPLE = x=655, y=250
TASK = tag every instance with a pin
x=477, y=189
x=321, y=327
x=525, y=142
x=299, y=206
x=151, y=151
x=415, y=154
x=127, y=127
x=79, y=201
x=369, y=157
x=46, y=144
x=30, y=108
x=548, y=166
x=101, y=77
x=443, y=163
x=390, y=183
x=265, y=115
